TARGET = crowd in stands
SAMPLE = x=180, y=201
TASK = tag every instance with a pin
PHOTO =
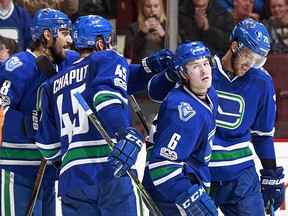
x=206, y=20
x=209, y=21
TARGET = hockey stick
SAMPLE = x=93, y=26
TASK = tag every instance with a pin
x=44, y=64
x=150, y=203
x=139, y=113
x=270, y=208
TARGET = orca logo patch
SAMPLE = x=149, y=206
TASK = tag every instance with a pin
x=13, y=63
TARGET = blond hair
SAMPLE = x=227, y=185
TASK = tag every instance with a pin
x=142, y=18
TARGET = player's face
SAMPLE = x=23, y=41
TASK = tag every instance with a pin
x=151, y=7
x=244, y=60
x=199, y=73
x=63, y=42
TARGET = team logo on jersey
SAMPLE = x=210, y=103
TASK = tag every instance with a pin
x=185, y=111
x=167, y=153
x=13, y=63
x=230, y=110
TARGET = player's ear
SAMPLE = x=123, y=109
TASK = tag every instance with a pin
x=100, y=45
x=47, y=35
x=233, y=46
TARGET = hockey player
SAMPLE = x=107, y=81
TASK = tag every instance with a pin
x=20, y=80
x=246, y=111
x=178, y=160
x=87, y=178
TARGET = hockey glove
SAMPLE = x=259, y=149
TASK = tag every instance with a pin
x=159, y=61
x=272, y=186
x=125, y=153
x=197, y=202
x=173, y=74
x=30, y=124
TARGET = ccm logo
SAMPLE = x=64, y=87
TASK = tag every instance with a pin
x=272, y=182
x=194, y=197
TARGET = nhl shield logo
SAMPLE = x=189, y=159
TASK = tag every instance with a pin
x=185, y=111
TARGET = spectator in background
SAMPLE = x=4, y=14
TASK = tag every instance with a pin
x=207, y=21
x=68, y=7
x=259, y=7
x=277, y=26
x=147, y=35
x=15, y=23
x=93, y=7
x=244, y=9
x=7, y=47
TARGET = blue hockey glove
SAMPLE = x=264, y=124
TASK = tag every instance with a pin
x=125, y=153
x=272, y=186
x=172, y=73
x=30, y=124
x=197, y=202
x=159, y=61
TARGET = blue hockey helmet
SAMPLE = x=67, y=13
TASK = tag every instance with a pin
x=87, y=28
x=253, y=35
x=50, y=19
x=189, y=51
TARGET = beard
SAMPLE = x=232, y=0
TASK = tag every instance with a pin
x=58, y=56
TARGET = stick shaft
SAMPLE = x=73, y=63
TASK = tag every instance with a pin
x=139, y=114
x=44, y=64
x=150, y=203
x=37, y=185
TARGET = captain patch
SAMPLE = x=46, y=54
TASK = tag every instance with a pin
x=13, y=63
x=185, y=111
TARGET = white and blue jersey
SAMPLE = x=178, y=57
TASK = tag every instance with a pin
x=183, y=141
x=15, y=24
x=20, y=79
x=65, y=131
x=247, y=110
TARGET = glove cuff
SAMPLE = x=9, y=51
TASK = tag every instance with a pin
x=145, y=65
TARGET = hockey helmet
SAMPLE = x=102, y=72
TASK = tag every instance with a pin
x=50, y=19
x=87, y=28
x=189, y=51
x=253, y=35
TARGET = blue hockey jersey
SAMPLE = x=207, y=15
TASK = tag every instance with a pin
x=15, y=24
x=183, y=140
x=65, y=132
x=20, y=79
x=247, y=110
